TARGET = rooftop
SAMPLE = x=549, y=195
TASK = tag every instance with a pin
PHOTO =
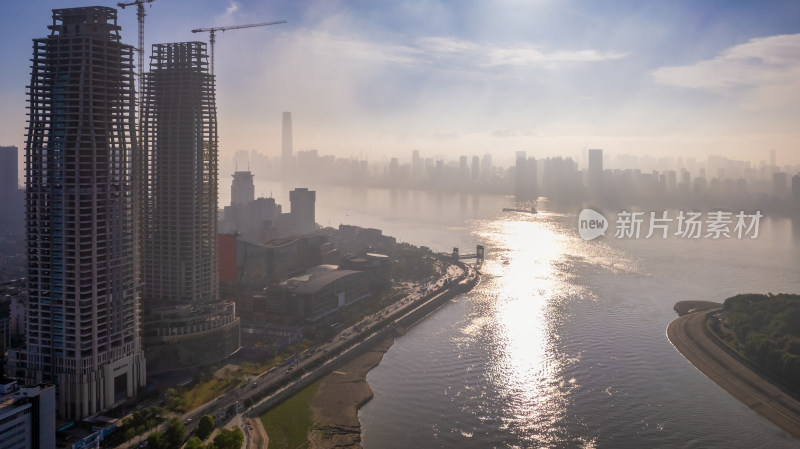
x=311, y=283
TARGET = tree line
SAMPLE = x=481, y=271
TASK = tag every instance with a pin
x=767, y=328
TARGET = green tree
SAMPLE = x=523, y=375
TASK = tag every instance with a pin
x=175, y=401
x=194, y=443
x=229, y=439
x=175, y=433
x=205, y=426
x=156, y=441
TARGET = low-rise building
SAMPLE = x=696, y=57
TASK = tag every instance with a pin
x=323, y=293
x=356, y=240
x=27, y=416
x=377, y=266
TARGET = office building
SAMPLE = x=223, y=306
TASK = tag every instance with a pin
x=242, y=189
x=476, y=168
x=417, y=165
x=82, y=329
x=303, y=202
x=526, y=177
x=27, y=416
x=486, y=167
x=463, y=169
x=780, y=184
x=595, y=172
x=185, y=323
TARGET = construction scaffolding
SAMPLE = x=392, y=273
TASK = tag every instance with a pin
x=179, y=267
x=179, y=125
x=82, y=304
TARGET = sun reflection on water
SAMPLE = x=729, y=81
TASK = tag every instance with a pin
x=527, y=281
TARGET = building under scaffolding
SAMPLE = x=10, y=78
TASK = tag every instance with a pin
x=82, y=330
x=179, y=267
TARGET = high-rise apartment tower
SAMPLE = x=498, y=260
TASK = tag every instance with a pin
x=82, y=331
x=185, y=323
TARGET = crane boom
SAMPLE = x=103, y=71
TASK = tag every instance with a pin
x=212, y=37
x=236, y=27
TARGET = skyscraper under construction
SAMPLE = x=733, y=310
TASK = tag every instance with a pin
x=185, y=323
x=82, y=328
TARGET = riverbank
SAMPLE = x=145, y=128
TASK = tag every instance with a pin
x=690, y=337
x=341, y=378
x=341, y=394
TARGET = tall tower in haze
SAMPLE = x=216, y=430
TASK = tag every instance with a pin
x=185, y=323
x=82, y=331
x=595, y=172
x=286, y=142
x=525, y=183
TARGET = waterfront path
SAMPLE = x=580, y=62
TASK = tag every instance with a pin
x=688, y=335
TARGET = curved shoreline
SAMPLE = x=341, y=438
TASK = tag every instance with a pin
x=344, y=391
x=340, y=396
x=688, y=334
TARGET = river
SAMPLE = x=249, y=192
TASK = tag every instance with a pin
x=562, y=343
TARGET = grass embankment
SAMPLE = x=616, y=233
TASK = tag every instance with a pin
x=288, y=424
x=207, y=391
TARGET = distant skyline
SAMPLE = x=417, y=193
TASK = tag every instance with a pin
x=381, y=79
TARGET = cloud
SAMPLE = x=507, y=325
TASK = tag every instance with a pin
x=356, y=49
x=232, y=12
x=445, y=53
x=232, y=8
x=764, y=71
x=503, y=133
x=525, y=55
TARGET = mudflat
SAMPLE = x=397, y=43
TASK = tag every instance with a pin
x=341, y=394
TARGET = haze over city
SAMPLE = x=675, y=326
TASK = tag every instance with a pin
x=408, y=224
x=377, y=80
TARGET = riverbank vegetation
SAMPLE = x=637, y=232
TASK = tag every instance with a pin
x=767, y=329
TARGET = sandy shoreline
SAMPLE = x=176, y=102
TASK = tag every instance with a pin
x=341, y=394
x=689, y=337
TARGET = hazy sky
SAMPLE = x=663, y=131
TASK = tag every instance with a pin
x=376, y=78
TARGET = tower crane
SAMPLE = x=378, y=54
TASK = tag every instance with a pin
x=138, y=157
x=212, y=36
x=140, y=17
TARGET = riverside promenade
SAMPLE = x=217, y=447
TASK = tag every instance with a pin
x=690, y=337
x=354, y=357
